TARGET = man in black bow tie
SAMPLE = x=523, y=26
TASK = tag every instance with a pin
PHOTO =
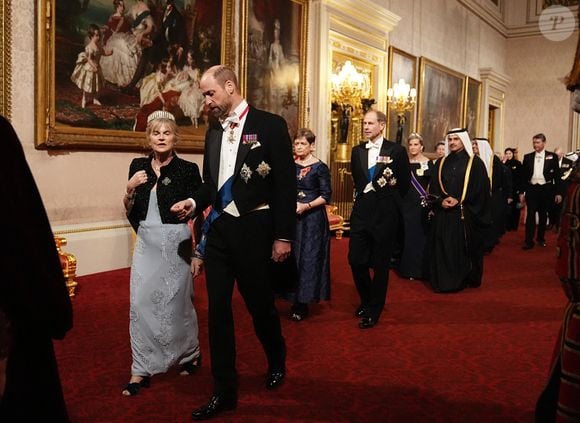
x=250, y=182
x=542, y=188
x=381, y=174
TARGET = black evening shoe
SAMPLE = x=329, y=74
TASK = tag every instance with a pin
x=133, y=388
x=528, y=246
x=367, y=323
x=191, y=367
x=360, y=311
x=275, y=378
x=217, y=404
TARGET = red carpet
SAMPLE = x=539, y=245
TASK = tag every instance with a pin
x=481, y=355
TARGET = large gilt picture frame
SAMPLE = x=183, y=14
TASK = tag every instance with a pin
x=472, y=106
x=441, y=96
x=6, y=59
x=273, y=57
x=83, y=106
x=401, y=65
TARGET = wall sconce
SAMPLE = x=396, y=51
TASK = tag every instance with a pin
x=402, y=98
x=349, y=88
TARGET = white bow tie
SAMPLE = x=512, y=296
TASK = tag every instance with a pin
x=232, y=120
x=538, y=156
x=371, y=144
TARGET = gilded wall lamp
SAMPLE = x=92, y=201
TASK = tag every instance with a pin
x=348, y=88
x=403, y=99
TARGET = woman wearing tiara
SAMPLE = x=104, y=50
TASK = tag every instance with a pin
x=163, y=323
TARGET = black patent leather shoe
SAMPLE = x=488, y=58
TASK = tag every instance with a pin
x=367, y=323
x=360, y=312
x=275, y=378
x=217, y=404
x=527, y=246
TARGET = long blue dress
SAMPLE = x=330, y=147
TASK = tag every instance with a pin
x=311, y=246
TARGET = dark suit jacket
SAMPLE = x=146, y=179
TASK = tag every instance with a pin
x=396, y=159
x=551, y=171
x=272, y=179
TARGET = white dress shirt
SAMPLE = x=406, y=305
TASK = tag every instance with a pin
x=538, y=175
x=373, y=151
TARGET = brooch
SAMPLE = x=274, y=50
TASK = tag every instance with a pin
x=304, y=172
x=263, y=169
x=246, y=173
x=166, y=181
x=249, y=139
x=301, y=194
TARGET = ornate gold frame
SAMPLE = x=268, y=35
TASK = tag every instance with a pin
x=6, y=60
x=421, y=120
x=303, y=90
x=50, y=134
x=391, y=114
x=472, y=84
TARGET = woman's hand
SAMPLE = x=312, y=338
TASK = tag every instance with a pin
x=139, y=178
x=302, y=207
x=196, y=267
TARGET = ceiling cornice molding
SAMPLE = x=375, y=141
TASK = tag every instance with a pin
x=492, y=19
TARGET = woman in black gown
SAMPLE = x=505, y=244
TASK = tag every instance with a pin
x=311, y=246
x=415, y=213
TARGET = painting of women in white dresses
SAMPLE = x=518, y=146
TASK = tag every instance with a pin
x=148, y=55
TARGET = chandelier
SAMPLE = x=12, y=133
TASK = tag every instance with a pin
x=348, y=86
x=402, y=97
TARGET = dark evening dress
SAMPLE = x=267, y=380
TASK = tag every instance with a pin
x=416, y=226
x=311, y=246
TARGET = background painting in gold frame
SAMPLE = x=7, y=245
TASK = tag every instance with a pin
x=62, y=122
x=273, y=57
x=401, y=65
x=472, y=106
x=441, y=93
x=5, y=60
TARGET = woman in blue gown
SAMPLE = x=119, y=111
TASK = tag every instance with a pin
x=311, y=246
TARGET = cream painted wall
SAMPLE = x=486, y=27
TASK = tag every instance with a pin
x=536, y=100
x=448, y=33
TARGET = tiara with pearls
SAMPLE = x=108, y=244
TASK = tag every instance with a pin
x=160, y=114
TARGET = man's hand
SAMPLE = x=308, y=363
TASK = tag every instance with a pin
x=522, y=199
x=281, y=250
x=558, y=199
x=182, y=209
x=449, y=202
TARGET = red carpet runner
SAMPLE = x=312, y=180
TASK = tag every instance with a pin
x=481, y=355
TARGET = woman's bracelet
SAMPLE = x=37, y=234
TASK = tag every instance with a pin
x=309, y=205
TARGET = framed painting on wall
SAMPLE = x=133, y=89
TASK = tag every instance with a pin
x=273, y=57
x=441, y=93
x=102, y=69
x=6, y=59
x=401, y=66
x=472, y=106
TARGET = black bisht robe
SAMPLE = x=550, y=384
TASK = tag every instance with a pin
x=456, y=244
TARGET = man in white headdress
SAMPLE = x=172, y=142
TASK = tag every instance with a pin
x=461, y=217
x=501, y=187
